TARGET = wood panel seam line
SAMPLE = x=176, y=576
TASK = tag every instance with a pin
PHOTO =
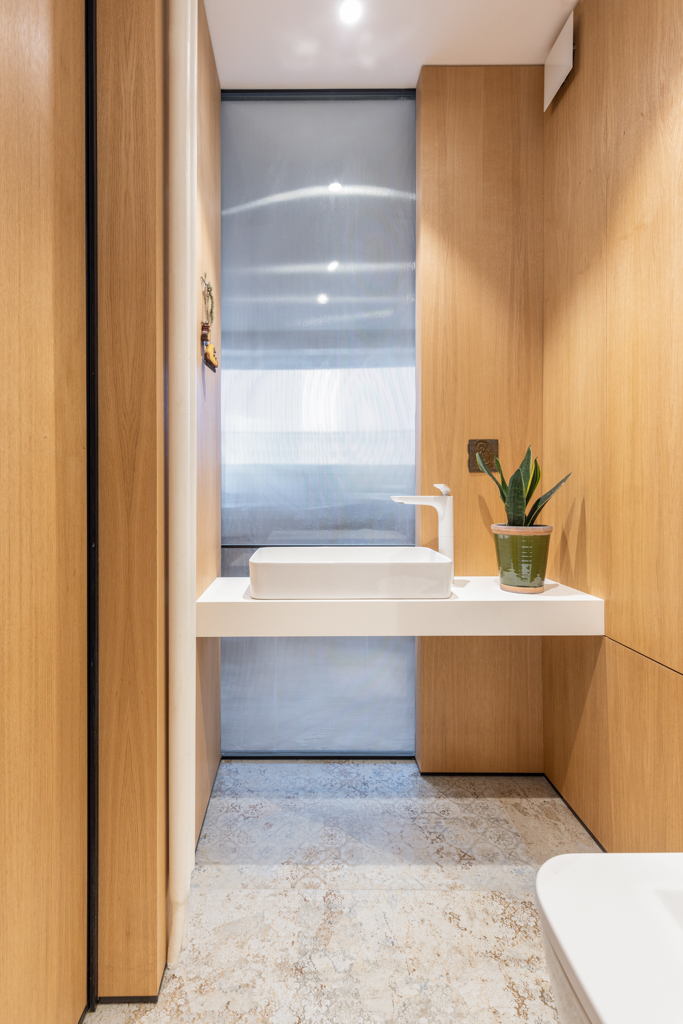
x=646, y=656
x=92, y=498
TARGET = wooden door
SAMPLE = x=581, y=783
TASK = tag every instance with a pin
x=43, y=737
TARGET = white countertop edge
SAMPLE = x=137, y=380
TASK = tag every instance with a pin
x=477, y=607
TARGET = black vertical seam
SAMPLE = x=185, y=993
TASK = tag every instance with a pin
x=91, y=287
x=318, y=94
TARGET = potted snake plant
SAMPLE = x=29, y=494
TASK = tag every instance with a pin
x=521, y=544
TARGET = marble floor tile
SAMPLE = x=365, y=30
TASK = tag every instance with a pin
x=525, y=787
x=344, y=957
x=548, y=828
x=360, y=892
x=513, y=879
x=353, y=813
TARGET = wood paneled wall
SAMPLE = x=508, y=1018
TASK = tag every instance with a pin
x=208, y=414
x=480, y=268
x=480, y=358
x=613, y=728
x=480, y=705
x=133, y=832
x=43, y=657
x=614, y=416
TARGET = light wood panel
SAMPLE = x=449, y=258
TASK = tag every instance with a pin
x=480, y=705
x=612, y=414
x=480, y=359
x=644, y=164
x=613, y=727
x=614, y=312
x=132, y=886
x=208, y=414
x=575, y=728
x=208, y=724
x=575, y=430
x=480, y=270
x=43, y=724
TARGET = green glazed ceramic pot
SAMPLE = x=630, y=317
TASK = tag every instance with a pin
x=522, y=557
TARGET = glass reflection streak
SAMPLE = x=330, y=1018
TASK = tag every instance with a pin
x=318, y=397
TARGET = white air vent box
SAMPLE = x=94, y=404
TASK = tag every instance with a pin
x=560, y=62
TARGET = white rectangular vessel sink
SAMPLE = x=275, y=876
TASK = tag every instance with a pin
x=335, y=573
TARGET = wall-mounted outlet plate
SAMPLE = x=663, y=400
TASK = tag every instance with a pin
x=487, y=449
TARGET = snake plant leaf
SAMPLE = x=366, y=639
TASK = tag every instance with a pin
x=484, y=468
x=525, y=469
x=543, y=500
x=534, y=482
x=515, y=502
x=502, y=478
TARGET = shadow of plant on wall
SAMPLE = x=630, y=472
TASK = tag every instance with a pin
x=574, y=569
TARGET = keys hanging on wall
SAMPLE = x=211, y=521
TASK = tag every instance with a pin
x=208, y=349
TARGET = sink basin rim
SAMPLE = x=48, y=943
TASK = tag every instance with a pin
x=349, y=573
x=347, y=555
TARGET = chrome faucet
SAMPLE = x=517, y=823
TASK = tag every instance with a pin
x=444, y=507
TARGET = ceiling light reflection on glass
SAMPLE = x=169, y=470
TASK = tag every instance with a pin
x=334, y=265
x=350, y=12
x=316, y=191
x=323, y=299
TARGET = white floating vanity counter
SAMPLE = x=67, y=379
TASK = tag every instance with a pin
x=477, y=607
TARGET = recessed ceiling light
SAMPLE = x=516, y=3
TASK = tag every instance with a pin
x=335, y=186
x=350, y=12
x=323, y=299
x=334, y=265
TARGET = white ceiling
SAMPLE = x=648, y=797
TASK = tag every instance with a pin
x=304, y=44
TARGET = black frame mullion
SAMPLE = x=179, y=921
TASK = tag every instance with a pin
x=317, y=94
x=91, y=286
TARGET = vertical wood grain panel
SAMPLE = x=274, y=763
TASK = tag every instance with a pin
x=481, y=704
x=481, y=286
x=614, y=312
x=575, y=728
x=575, y=432
x=480, y=359
x=132, y=940
x=644, y=160
x=208, y=415
x=43, y=661
x=612, y=414
x=613, y=727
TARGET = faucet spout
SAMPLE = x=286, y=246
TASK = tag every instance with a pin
x=444, y=508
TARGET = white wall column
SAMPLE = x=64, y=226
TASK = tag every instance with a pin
x=182, y=509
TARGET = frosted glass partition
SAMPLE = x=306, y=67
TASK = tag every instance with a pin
x=318, y=398
x=318, y=315
x=318, y=695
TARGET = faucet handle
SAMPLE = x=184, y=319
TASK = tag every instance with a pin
x=443, y=488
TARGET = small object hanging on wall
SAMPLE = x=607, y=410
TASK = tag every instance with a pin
x=487, y=449
x=208, y=350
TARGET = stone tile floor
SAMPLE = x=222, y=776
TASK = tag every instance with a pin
x=360, y=892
